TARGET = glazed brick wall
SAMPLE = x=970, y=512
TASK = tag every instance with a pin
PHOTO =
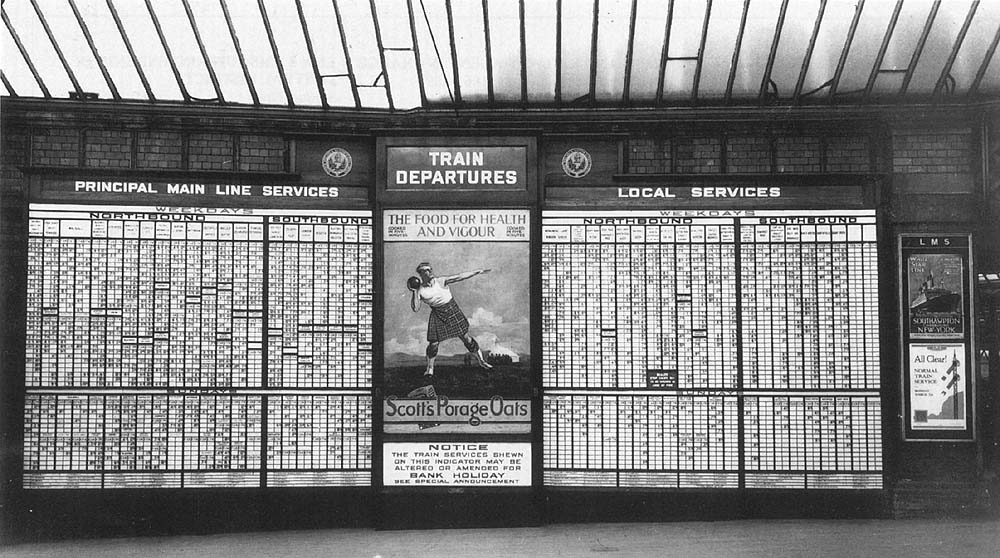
x=262, y=153
x=848, y=154
x=210, y=152
x=108, y=149
x=698, y=155
x=797, y=154
x=932, y=152
x=55, y=147
x=649, y=156
x=159, y=150
x=748, y=154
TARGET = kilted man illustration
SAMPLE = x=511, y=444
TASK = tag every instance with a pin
x=446, y=319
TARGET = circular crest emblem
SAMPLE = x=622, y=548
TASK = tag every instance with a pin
x=337, y=162
x=576, y=163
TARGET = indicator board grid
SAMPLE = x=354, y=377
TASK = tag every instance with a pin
x=711, y=352
x=159, y=343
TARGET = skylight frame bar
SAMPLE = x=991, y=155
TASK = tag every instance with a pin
x=93, y=50
x=524, y=53
x=204, y=53
x=381, y=55
x=24, y=54
x=848, y=42
x=664, y=51
x=55, y=45
x=800, y=83
x=489, y=52
x=736, y=53
x=627, y=82
x=946, y=70
x=701, y=52
x=166, y=50
x=558, y=50
x=131, y=51
x=774, y=51
x=416, y=53
x=974, y=86
x=454, y=50
x=274, y=52
x=10, y=88
x=239, y=52
x=347, y=56
x=920, y=48
x=312, y=54
x=593, y=52
x=877, y=67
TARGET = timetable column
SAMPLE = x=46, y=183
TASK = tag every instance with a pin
x=701, y=375
x=796, y=329
x=653, y=313
x=869, y=262
x=577, y=349
x=841, y=301
x=765, y=302
x=810, y=311
x=667, y=273
x=592, y=293
x=779, y=309
x=145, y=317
x=609, y=308
x=685, y=347
x=748, y=315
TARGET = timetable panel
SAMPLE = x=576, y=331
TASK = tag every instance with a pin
x=162, y=343
x=733, y=350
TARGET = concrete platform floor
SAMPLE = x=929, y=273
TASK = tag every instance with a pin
x=908, y=538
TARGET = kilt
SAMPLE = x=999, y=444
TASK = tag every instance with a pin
x=446, y=321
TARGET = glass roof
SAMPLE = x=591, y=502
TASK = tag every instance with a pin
x=398, y=55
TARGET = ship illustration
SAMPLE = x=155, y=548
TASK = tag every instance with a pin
x=932, y=298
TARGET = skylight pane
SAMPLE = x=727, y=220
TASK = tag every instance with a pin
x=73, y=44
x=612, y=46
x=685, y=29
x=338, y=91
x=180, y=37
x=977, y=39
x=577, y=22
x=112, y=49
x=906, y=35
x=321, y=21
x=991, y=79
x=800, y=19
x=678, y=78
x=40, y=50
x=723, y=29
x=403, y=79
x=867, y=40
x=650, y=23
x=288, y=35
x=394, y=23
x=829, y=46
x=221, y=51
x=540, y=43
x=757, y=40
x=249, y=25
x=15, y=69
x=505, y=42
x=436, y=85
x=470, y=45
x=940, y=43
x=360, y=31
x=373, y=97
x=148, y=50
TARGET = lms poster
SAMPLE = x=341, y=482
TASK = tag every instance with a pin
x=934, y=295
x=938, y=385
x=457, y=334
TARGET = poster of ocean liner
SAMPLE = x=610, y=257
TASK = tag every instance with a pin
x=935, y=293
x=456, y=321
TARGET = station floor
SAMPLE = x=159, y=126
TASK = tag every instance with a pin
x=904, y=538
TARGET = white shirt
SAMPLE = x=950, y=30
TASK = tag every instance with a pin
x=435, y=294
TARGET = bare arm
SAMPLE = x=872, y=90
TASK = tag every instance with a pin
x=463, y=276
x=413, y=300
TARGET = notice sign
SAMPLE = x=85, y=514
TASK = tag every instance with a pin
x=938, y=378
x=457, y=464
x=456, y=168
x=934, y=283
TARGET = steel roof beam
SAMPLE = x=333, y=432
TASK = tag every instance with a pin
x=627, y=85
x=416, y=53
x=204, y=53
x=454, y=51
x=946, y=70
x=842, y=62
x=701, y=52
x=131, y=51
x=489, y=53
x=93, y=50
x=558, y=50
x=974, y=86
x=166, y=50
x=10, y=88
x=274, y=52
x=524, y=54
x=239, y=52
x=381, y=54
x=312, y=53
x=55, y=45
x=24, y=54
x=347, y=56
x=877, y=67
x=796, y=96
x=774, y=51
x=593, y=52
x=736, y=52
x=664, y=51
x=920, y=47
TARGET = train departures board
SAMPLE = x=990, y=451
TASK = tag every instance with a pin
x=739, y=349
x=176, y=347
